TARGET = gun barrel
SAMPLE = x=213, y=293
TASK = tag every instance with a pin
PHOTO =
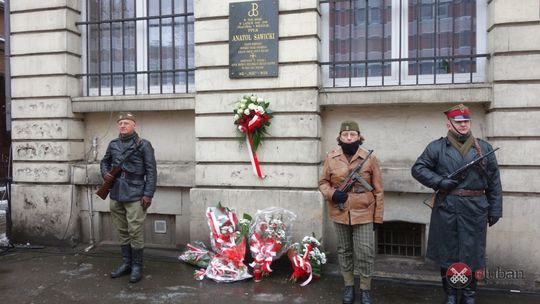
x=471, y=163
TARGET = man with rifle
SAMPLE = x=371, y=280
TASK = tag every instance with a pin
x=352, y=185
x=468, y=199
x=129, y=169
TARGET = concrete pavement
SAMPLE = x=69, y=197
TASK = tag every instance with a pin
x=60, y=275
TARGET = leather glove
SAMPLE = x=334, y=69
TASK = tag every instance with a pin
x=340, y=197
x=492, y=220
x=146, y=201
x=448, y=184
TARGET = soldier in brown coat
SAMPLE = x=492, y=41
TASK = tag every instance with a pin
x=362, y=209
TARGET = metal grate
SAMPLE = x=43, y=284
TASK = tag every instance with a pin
x=402, y=42
x=400, y=239
x=138, y=47
x=160, y=226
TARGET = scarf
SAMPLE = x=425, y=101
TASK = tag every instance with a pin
x=462, y=143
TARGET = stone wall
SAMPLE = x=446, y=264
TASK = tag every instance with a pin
x=47, y=136
x=513, y=125
x=291, y=154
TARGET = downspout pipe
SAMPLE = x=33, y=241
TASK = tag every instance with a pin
x=7, y=79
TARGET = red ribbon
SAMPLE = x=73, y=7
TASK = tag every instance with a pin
x=302, y=266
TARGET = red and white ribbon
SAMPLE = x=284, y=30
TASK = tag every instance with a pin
x=264, y=251
x=302, y=265
x=253, y=157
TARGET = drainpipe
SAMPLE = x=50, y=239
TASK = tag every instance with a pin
x=7, y=79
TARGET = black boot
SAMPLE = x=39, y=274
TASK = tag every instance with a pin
x=348, y=295
x=136, y=265
x=366, y=297
x=468, y=293
x=451, y=293
x=125, y=268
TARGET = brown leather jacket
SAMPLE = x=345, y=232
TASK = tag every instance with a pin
x=360, y=208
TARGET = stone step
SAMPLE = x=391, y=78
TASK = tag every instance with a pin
x=3, y=205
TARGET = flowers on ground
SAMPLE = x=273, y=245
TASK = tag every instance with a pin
x=227, y=237
x=269, y=238
x=307, y=260
x=197, y=254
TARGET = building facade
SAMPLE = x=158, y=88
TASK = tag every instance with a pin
x=392, y=65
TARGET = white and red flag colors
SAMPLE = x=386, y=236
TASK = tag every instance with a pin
x=269, y=235
x=269, y=238
x=252, y=117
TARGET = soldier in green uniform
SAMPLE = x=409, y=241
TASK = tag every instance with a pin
x=355, y=213
x=131, y=193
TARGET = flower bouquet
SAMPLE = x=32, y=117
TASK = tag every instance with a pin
x=307, y=260
x=227, y=237
x=197, y=254
x=269, y=238
x=252, y=117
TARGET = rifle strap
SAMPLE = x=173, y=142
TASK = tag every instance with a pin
x=478, y=149
x=135, y=146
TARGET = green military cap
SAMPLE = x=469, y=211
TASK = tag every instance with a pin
x=349, y=126
x=126, y=115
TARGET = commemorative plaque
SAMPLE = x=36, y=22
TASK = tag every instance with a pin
x=253, y=39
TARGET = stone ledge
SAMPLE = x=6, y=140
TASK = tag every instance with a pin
x=160, y=102
x=405, y=95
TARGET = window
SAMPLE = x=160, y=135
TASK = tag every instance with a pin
x=137, y=47
x=399, y=42
x=400, y=239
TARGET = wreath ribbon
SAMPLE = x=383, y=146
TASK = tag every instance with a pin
x=253, y=156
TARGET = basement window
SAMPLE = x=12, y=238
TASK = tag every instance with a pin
x=400, y=239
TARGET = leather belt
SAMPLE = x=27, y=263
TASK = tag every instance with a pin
x=465, y=192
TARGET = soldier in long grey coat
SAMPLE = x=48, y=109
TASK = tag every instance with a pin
x=464, y=207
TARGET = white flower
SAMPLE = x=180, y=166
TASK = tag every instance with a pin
x=246, y=111
x=243, y=100
x=260, y=99
x=237, y=105
x=239, y=111
x=244, y=221
x=260, y=109
x=242, y=106
x=252, y=106
x=253, y=98
x=236, y=117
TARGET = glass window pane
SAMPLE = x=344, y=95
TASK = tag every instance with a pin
x=361, y=34
x=444, y=30
x=113, y=57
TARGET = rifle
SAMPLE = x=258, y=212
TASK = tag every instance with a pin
x=457, y=175
x=103, y=191
x=105, y=188
x=355, y=177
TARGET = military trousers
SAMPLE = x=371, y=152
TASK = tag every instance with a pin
x=128, y=219
x=356, y=252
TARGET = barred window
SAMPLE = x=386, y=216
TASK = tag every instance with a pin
x=137, y=47
x=400, y=239
x=398, y=42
